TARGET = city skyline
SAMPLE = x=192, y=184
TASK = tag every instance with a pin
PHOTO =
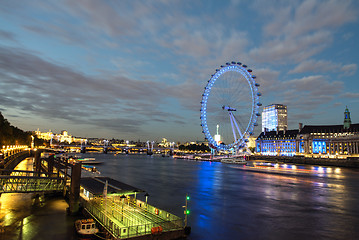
x=136, y=70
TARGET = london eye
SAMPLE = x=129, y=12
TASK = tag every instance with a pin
x=230, y=107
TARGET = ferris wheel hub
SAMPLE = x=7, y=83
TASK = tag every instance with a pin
x=228, y=108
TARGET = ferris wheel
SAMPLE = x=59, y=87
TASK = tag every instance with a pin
x=229, y=107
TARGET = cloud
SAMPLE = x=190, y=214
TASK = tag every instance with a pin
x=294, y=19
x=54, y=91
x=308, y=93
x=352, y=95
x=5, y=35
x=325, y=66
x=297, y=31
x=292, y=50
x=349, y=69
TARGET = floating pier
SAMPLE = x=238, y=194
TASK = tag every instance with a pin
x=114, y=205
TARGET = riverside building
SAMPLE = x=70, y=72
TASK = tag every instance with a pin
x=315, y=140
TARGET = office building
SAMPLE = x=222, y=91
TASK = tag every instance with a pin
x=274, y=118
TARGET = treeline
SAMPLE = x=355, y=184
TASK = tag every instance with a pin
x=10, y=135
x=194, y=147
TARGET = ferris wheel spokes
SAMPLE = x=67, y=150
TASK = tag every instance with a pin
x=234, y=125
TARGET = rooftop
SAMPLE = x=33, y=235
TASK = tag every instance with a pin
x=95, y=185
x=329, y=128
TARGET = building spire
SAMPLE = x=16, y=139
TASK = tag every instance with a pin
x=347, y=120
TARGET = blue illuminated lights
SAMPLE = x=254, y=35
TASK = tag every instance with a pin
x=252, y=121
x=319, y=146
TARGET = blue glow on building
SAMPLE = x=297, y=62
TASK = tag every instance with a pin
x=319, y=146
x=285, y=147
x=301, y=146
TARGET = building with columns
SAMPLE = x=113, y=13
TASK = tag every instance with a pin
x=329, y=140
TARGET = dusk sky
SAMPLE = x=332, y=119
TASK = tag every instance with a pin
x=137, y=69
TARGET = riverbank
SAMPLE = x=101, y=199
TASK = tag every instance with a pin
x=34, y=216
x=334, y=162
x=24, y=216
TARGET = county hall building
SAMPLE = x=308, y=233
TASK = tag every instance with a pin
x=330, y=140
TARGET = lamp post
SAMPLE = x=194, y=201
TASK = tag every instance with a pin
x=186, y=211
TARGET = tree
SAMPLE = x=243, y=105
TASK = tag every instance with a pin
x=10, y=135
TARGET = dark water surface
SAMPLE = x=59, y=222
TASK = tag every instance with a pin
x=226, y=202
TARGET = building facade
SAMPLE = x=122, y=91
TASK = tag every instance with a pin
x=277, y=143
x=274, y=118
x=329, y=140
x=323, y=140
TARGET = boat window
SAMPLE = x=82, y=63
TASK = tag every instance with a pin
x=88, y=226
x=93, y=225
x=83, y=227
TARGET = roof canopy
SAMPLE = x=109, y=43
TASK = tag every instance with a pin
x=95, y=185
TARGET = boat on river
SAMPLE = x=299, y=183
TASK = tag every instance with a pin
x=86, y=228
x=236, y=160
x=90, y=168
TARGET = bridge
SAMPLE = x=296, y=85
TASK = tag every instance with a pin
x=111, y=148
x=20, y=181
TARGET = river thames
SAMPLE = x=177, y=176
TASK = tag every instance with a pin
x=227, y=203
x=231, y=203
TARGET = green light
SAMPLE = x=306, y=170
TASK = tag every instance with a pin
x=187, y=197
x=187, y=212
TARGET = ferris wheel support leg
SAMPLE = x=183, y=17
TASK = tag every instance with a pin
x=238, y=129
x=234, y=131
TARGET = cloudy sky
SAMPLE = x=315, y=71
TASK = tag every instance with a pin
x=137, y=69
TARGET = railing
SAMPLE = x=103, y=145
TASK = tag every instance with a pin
x=125, y=219
x=25, y=184
x=10, y=157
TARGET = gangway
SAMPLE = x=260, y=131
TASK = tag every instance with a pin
x=27, y=184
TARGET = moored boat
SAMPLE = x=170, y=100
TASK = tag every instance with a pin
x=86, y=228
x=236, y=160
